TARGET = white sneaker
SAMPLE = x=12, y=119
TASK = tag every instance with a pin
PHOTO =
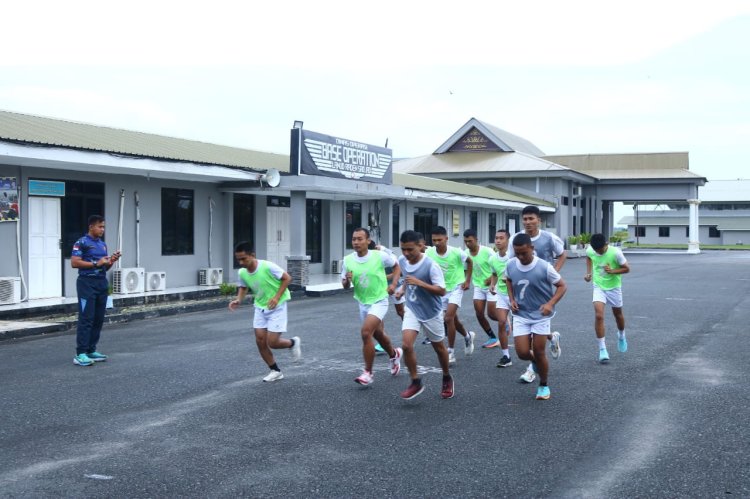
x=554, y=345
x=395, y=362
x=297, y=349
x=451, y=358
x=529, y=375
x=469, y=343
x=364, y=379
x=273, y=376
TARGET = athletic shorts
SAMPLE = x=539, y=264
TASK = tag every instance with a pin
x=525, y=327
x=398, y=301
x=484, y=294
x=503, y=301
x=433, y=328
x=271, y=320
x=378, y=309
x=611, y=297
x=453, y=297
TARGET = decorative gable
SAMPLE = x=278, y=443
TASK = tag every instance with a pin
x=474, y=140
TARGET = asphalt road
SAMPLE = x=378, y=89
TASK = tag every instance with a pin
x=180, y=409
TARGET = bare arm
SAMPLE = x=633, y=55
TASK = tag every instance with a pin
x=467, y=273
x=561, y=260
x=587, y=277
x=286, y=279
x=241, y=293
x=396, y=276
x=560, y=289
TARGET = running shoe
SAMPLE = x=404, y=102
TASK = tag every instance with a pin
x=451, y=358
x=395, y=362
x=448, y=388
x=491, y=343
x=603, y=356
x=364, y=379
x=415, y=388
x=297, y=349
x=379, y=350
x=469, y=343
x=542, y=393
x=82, y=360
x=622, y=345
x=505, y=362
x=273, y=376
x=554, y=345
x=529, y=375
x=426, y=341
x=97, y=357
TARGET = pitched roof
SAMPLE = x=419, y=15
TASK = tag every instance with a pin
x=629, y=166
x=26, y=128
x=476, y=162
x=505, y=141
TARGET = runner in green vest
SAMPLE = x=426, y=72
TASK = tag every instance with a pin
x=451, y=261
x=480, y=277
x=268, y=283
x=606, y=265
x=500, y=289
x=365, y=270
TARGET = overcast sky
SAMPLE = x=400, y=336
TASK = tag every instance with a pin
x=571, y=77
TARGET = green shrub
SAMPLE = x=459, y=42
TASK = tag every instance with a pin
x=573, y=241
x=227, y=289
x=585, y=237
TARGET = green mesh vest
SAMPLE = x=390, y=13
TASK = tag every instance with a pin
x=481, y=268
x=368, y=278
x=451, y=264
x=263, y=285
x=601, y=278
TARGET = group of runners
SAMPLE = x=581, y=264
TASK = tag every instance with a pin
x=518, y=279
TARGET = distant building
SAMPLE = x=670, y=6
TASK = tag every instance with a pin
x=724, y=215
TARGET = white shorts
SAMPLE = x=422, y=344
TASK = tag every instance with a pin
x=611, y=297
x=525, y=327
x=433, y=328
x=484, y=294
x=271, y=320
x=503, y=301
x=398, y=301
x=453, y=297
x=378, y=309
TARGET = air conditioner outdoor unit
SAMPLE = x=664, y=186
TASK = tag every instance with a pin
x=210, y=277
x=10, y=290
x=126, y=281
x=336, y=266
x=156, y=281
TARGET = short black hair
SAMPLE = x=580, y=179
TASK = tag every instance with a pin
x=411, y=236
x=598, y=241
x=505, y=231
x=372, y=245
x=244, y=247
x=95, y=219
x=521, y=239
x=470, y=233
x=439, y=230
x=362, y=229
x=531, y=210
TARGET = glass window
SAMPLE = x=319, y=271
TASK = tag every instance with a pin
x=492, y=228
x=395, y=229
x=314, y=227
x=640, y=231
x=177, y=218
x=663, y=231
x=82, y=199
x=353, y=221
x=687, y=231
x=474, y=220
x=244, y=221
x=424, y=221
x=713, y=231
x=565, y=201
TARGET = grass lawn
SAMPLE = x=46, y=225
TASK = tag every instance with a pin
x=685, y=246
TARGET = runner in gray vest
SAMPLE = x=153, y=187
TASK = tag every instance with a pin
x=534, y=288
x=423, y=287
x=549, y=248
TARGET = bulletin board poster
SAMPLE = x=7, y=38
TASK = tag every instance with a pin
x=9, y=209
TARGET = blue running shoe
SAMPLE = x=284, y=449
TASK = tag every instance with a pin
x=97, y=357
x=378, y=349
x=603, y=356
x=622, y=345
x=82, y=360
x=491, y=343
x=542, y=393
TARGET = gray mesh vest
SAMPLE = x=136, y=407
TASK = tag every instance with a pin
x=421, y=302
x=530, y=289
x=544, y=247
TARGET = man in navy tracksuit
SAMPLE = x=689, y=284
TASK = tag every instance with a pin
x=91, y=259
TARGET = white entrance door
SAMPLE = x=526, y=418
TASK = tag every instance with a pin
x=45, y=265
x=277, y=234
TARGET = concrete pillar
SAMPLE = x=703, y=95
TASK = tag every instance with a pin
x=261, y=222
x=693, y=238
x=386, y=222
x=298, y=262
